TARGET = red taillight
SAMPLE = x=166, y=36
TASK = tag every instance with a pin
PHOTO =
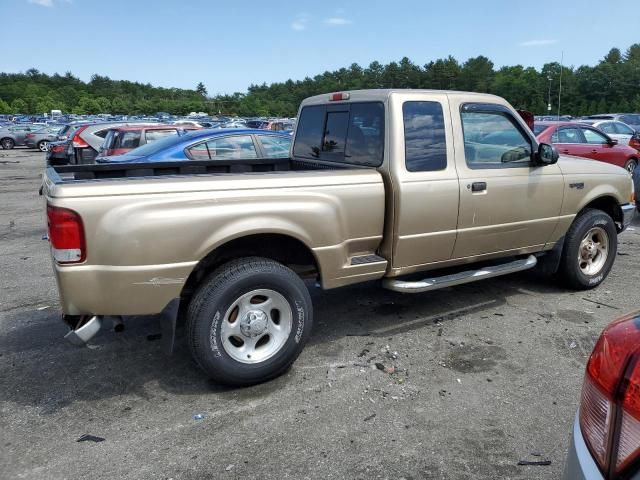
x=336, y=97
x=610, y=408
x=77, y=141
x=629, y=444
x=66, y=234
x=57, y=148
x=634, y=142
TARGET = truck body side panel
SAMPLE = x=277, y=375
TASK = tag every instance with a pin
x=142, y=246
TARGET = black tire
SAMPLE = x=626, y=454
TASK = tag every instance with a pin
x=631, y=165
x=570, y=265
x=218, y=293
x=7, y=143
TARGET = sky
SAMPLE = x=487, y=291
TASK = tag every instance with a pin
x=231, y=45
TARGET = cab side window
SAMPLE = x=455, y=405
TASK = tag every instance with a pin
x=493, y=140
x=425, y=148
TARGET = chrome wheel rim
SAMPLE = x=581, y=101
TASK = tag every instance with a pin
x=593, y=252
x=6, y=144
x=44, y=146
x=631, y=166
x=256, y=326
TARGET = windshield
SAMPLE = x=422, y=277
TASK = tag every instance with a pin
x=538, y=129
x=157, y=146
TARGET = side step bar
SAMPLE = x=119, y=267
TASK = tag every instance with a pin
x=459, y=278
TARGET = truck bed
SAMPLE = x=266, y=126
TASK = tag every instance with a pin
x=68, y=173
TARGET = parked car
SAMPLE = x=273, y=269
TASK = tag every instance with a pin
x=631, y=119
x=40, y=139
x=121, y=140
x=66, y=130
x=15, y=135
x=209, y=145
x=585, y=141
x=238, y=123
x=614, y=129
x=605, y=440
x=379, y=185
x=85, y=139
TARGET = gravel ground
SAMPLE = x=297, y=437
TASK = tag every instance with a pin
x=484, y=375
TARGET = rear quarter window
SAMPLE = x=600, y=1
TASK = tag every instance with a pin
x=342, y=133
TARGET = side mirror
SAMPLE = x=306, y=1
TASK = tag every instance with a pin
x=613, y=142
x=546, y=154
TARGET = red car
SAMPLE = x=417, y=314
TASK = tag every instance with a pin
x=585, y=141
x=120, y=140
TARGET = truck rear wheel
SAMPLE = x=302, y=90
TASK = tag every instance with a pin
x=248, y=321
x=590, y=249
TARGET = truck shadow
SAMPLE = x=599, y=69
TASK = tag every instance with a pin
x=39, y=369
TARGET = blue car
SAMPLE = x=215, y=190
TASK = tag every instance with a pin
x=223, y=144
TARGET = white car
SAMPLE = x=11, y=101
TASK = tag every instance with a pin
x=615, y=129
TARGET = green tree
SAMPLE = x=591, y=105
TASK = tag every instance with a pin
x=18, y=106
x=201, y=89
x=4, y=107
x=45, y=105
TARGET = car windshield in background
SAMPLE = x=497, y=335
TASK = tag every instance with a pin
x=155, y=147
x=538, y=129
x=126, y=139
x=256, y=124
x=630, y=119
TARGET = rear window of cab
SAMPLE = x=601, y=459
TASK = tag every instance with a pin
x=349, y=133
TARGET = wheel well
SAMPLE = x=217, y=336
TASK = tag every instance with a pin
x=282, y=248
x=608, y=205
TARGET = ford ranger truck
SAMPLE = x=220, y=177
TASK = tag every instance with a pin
x=379, y=184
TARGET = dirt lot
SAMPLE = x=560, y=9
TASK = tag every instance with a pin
x=486, y=374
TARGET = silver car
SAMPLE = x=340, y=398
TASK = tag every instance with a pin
x=631, y=119
x=615, y=129
x=15, y=135
x=40, y=139
x=605, y=442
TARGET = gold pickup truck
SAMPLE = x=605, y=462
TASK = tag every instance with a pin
x=379, y=184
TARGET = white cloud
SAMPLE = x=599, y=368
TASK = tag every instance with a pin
x=537, y=43
x=300, y=22
x=42, y=3
x=337, y=21
x=47, y=3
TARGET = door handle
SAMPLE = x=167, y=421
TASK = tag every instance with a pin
x=594, y=151
x=478, y=187
x=566, y=150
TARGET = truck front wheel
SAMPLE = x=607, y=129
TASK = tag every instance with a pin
x=248, y=321
x=590, y=249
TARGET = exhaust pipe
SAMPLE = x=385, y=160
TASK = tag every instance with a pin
x=83, y=328
x=118, y=324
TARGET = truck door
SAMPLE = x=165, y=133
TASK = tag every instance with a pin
x=507, y=203
x=424, y=180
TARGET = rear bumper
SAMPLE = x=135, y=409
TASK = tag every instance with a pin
x=119, y=290
x=628, y=211
x=580, y=464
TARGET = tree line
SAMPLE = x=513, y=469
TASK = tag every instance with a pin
x=612, y=85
